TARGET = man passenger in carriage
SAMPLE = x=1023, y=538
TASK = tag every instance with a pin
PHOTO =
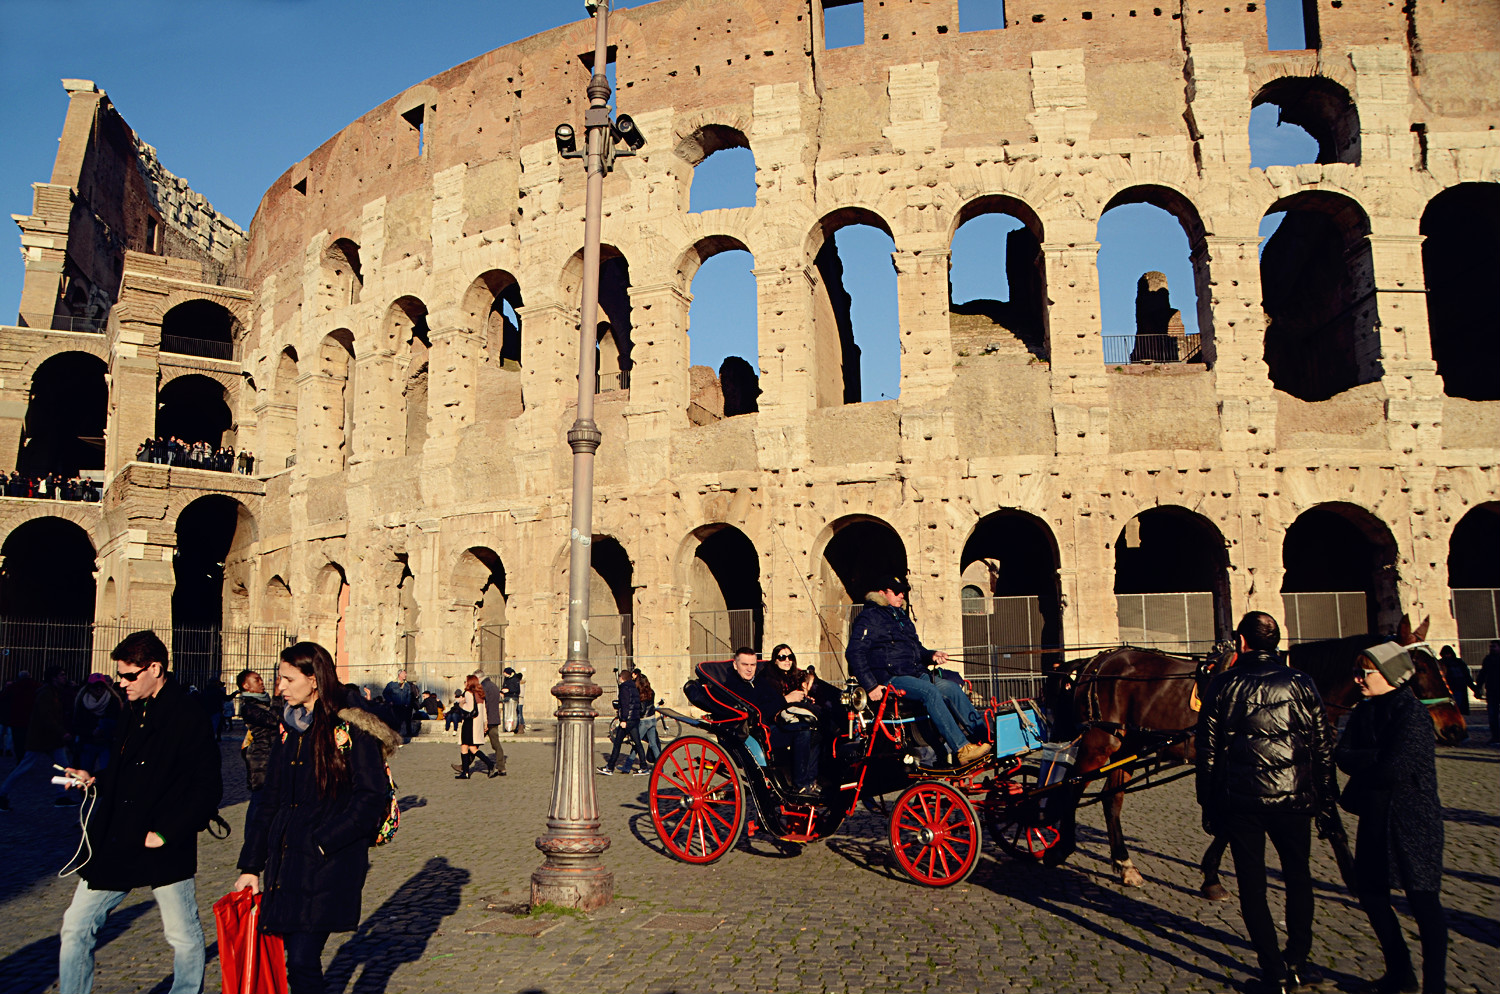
x=756, y=688
x=884, y=649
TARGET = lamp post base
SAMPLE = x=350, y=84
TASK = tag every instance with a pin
x=586, y=888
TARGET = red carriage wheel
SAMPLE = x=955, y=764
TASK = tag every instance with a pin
x=935, y=835
x=1018, y=824
x=697, y=800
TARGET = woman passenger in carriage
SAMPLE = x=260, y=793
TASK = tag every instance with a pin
x=884, y=649
x=802, y=686
x=760, y=689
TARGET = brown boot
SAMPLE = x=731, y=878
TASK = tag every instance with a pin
x=973, y=751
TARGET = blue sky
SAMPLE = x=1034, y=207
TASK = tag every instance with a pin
x=233, y=92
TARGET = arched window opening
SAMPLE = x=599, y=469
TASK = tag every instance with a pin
x=212, y=566
x=194, y=408
x=491, y=306
x=611, y=600
x=726, y=609
x=329, y=612
x=723, y=168
x=479, y=590
x=1318, y=286
x=64, y=428
x=1460, y=262
x=331, y=409
x=1292, y=25
x=1340, y=577
x=342, y=279
x=406, y=323
x=722, y=336
x=997, y=286
x=856, y=332
x=1172, y=580
x=612, y=371
x=276, y=604
x=200, y=328
x=286, y=377
x=1474, y=578
x=1011, y=563
x=1153, y=279
x=410, y=610
x=863, y=553
x=1297, y=119
x=279, y=420
x=46, y=576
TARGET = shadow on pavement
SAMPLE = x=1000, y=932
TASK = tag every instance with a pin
x=34, y=967
x=398, y=931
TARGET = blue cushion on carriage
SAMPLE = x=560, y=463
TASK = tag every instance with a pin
x=1018, y=728
x=757, y=752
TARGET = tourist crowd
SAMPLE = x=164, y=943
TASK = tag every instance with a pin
x=173, y=451
x=49, y=487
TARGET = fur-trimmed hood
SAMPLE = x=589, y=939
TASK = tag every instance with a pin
x=372, y=726
x=878, y=598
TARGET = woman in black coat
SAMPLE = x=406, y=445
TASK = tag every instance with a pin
x=1387, y=750
x=325, y=797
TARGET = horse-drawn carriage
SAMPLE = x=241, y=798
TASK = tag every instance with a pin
x=709, y=785
x=1134, y=710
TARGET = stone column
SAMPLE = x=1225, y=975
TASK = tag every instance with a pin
x=1080, y=391
x=1242, y=380
x=379, y=419
x=1414, y=390
x=922, y=308
x=15, y=398
x=788, y=363
x=659, y=388
x=452, y=392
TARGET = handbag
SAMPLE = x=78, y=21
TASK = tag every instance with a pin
x=250, y=963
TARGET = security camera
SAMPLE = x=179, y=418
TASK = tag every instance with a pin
x=627, y=132
x=567, y=145
x=592, y=6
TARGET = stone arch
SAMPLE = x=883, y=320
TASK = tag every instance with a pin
x=14, y=514
x=1011, y=556
x=613, y=335
x=201, y=326
x=95, y=346
x=1153, y=305
x=47, y=564
x=1318, y=286
x=837, y=358
x=719, y=567
x=195, y=408
x=612, y=589
x=851, y=556
x=1346, y=558
x=66, y=414
x=406, y=329
x=276, y=604
x=328, y=611
x=342, y=278
x=330, y=405
x=1460, y=257
x=477, y=584
x=278, y=420
x=485, y=305
x=213, y=567
x=734, y=387
x=700, y=146
x=1166, y=559
x=1024, y=314
x=1474, y=579
x=1321, y=107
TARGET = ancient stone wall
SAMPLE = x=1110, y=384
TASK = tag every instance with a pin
x=374, y=357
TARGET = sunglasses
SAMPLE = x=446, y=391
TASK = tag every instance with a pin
x=1362, y=674
x=131, y=677
x=785, y=655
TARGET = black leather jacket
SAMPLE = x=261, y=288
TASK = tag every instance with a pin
x=1263, y=742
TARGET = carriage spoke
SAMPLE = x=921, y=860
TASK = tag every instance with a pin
x=713, y=816
x=709, y=776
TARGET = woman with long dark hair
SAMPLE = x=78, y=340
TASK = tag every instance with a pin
x=646, y=727
x=472, y=729
x=325, y=797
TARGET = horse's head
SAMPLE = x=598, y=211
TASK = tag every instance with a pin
x=1431, y=686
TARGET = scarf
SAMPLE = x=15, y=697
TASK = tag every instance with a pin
x=297, y=717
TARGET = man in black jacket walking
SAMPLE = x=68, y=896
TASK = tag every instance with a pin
x=1265, y=770
x=158, y=793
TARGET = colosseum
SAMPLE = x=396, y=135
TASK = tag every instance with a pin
x=395, y=337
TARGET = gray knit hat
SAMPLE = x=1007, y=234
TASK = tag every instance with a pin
x=1393, y=662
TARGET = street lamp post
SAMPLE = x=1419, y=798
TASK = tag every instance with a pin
x=573, y=874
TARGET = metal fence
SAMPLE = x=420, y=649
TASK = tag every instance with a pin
x=197, y=346
x=62, y=322
x=1477, y=611
x=1329, y=614
x=1178, y=622
x=1123, y=350
x=199, y=654
x=716, y=634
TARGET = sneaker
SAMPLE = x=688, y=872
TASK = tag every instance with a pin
x=642, y=772
x=973, y=751
x=605, y=771
x=1306, y=975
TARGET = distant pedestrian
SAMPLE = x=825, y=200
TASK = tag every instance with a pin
x=493, y=710
x=262, y=719
x=400, y=694
x=647, y=726
x=627, y=726
x=511, y=688
x=326, y=796
x=1388, y=751
x=46, y=739
x=472, y=729
x=1265, y=770
x=161, y=789
x=1489, y=689
x=1460, y=680
x=19, y=697
x=96, y=713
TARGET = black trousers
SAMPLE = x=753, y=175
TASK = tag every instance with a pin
x=304, y=962
x=631, y=729
x=1372, y=866
x=1291, y=834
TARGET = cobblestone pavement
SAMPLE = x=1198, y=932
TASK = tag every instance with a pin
x=439, y=915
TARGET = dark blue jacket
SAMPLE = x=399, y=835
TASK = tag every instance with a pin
x=630, y=703
x=883, y=644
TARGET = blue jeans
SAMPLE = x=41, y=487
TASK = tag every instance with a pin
x=950, y=709
x=646, y=729
x=178, y=904
x=31, y=760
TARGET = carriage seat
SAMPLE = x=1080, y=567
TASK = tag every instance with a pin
x=731, y=714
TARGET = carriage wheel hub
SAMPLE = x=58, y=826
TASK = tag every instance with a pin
x=926, y=836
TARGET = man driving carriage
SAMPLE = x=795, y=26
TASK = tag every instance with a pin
x=763, y=695
x=884, y=650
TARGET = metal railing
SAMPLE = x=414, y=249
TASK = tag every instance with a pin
x=62, y=322
x=716, y=634
x=1331, y=614
x=197, y=346
x=1176, y=622
x=1477, y=612
x=1124, y=350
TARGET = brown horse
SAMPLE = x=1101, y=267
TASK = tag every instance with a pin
x=1125, y=700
